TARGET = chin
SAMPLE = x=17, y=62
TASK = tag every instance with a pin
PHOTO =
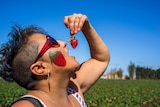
x=77, y=68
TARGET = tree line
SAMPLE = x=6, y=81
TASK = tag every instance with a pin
x=137, y=72
x=143, y=72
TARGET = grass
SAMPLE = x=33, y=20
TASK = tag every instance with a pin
x=124, y=93
x=105, y=93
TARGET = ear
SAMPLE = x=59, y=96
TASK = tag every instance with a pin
x=39, y=68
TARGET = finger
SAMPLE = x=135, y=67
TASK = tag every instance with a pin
x=82, y=20
x=66, y=21
x=71, y=24
x=76, y=24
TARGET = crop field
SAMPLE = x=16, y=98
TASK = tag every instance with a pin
x=124, y=93
x=105, y=93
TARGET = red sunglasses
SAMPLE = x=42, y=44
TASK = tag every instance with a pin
x=50, y=42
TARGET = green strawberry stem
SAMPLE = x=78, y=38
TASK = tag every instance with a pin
x=72, y=37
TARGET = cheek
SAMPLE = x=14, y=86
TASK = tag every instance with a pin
x=58, y=59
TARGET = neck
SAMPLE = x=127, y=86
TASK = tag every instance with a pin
x=55, y=87
x=58, y=92
x=58, y=103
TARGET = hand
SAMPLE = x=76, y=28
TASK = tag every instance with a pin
x=75, y=22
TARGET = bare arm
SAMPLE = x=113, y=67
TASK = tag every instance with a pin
x=93, y=68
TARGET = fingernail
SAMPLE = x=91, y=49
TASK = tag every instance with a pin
x=75, y=31
x=72, y=32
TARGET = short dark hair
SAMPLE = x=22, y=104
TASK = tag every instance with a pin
x=17, y=55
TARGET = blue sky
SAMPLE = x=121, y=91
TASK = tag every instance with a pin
x=130, y=28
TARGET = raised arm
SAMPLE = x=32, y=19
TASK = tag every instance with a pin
x=93, y=68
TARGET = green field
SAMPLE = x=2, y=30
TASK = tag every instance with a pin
x=105, y=93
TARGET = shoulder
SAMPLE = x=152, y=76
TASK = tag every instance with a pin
x=22, y=103
x=28, y=101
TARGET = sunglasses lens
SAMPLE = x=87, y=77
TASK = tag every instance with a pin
x=52, y=42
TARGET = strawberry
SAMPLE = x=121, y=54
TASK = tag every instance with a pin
x=73, y=41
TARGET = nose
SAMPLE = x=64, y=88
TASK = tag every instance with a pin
x=62, y=43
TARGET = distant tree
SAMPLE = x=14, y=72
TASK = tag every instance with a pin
x=151, y=73
x=131, y=70
x=138, y=72
x=158, y=73
x=120, y=73
x=147, y=73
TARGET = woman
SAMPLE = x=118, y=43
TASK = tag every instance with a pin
x=42, y=65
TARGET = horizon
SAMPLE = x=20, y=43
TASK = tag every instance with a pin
x=131, y=29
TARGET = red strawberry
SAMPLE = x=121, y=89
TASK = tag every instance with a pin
x=74, y=42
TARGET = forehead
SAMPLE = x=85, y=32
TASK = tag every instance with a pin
x=37, y=37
